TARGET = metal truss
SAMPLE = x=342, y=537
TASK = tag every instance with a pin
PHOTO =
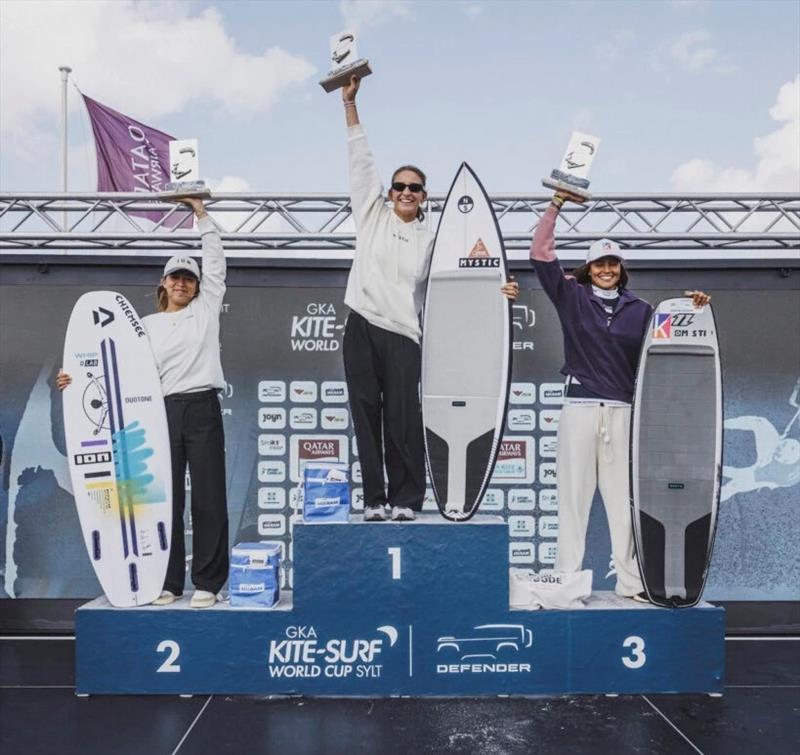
x=319, y=226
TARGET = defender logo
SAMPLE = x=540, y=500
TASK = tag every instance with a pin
x=479, y=652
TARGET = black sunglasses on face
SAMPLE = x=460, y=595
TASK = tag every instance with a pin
x=416, y=188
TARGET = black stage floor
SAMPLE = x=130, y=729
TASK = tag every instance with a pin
x=40, y=715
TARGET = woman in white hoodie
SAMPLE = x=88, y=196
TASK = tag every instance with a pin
x=381, y=350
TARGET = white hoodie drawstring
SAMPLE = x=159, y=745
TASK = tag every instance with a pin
x=602, y=431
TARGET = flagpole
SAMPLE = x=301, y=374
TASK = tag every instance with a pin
x=65, y=72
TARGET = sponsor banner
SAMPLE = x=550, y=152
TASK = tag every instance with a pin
x=303, y=418
x=356, y=473
x=271, y=525
x=354, y=447
x=548, y=499
x=303, y=448
x=271, y=444
x=547, y=553
x=486, y=649
x=272, y=391
x=306, y=652
x=493, y=499
x=547, y=473
x=521, y=553
x=316, y=329
x=521, y=526
x=515, y=461
x=271, y=498
x=302, y=391
x=334, y=418
x=271, y=471
x=548, y=526
x=548, y=420
x=357, y=499
x=271, y=418
x=522, y=393
x=521, y=420
x=548, y=446
x=551, y=393
x=334, y=391
x=521, y=499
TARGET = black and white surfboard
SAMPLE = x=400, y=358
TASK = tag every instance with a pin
x=466, y=349
x=676, y=452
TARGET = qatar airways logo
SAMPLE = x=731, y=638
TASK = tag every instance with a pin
x=316, y=329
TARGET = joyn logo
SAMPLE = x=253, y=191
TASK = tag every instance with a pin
x=301, y=653
x=547, y=473
x=270, y=418
x=271, y=391
x=487, y=649
x=303, y=391
x=317, y=329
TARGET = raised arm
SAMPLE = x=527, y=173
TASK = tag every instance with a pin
x=366, y=191
x=212, y=285
x=543, y=252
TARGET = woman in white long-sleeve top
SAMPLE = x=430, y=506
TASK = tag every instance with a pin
x=184, y=337
x=385, y=292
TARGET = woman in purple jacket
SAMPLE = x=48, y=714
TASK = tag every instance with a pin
x=603, y=325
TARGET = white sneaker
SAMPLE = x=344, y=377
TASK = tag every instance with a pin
x=403, y=514
x=165, y=598
x=202, y=599
x=374, y=514
x=640, y=597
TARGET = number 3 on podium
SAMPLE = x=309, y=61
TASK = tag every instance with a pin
x=637, y=658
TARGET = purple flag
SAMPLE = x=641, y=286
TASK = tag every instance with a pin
x=130, y=156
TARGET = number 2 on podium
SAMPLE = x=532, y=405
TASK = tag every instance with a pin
x=395, y=553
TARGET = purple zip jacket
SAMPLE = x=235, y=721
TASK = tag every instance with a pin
x=601, y=351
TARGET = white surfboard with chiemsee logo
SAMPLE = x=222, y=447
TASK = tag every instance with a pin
x=466, y=349
x=676, y=451
x=118, y=447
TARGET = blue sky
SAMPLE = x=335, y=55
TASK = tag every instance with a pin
x=685, y=95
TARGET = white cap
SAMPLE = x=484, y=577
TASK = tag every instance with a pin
x=180, y=262
x=604, y=248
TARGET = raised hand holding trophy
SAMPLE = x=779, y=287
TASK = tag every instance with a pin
x=571, y=175
x=346, y=63
x=184, y=170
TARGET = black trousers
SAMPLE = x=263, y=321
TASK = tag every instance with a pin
x=382, y=370
x=196, y=437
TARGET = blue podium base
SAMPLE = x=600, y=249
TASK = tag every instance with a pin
x=384, y=610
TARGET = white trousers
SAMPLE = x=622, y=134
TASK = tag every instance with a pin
x=593, y=452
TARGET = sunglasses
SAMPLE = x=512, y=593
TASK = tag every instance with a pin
x=416, y=188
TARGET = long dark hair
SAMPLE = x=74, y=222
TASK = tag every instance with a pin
x=161, y=297
x=583, y=277
x=424, y=179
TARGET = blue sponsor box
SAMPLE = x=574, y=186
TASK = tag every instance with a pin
x=385, y=609
x=254, y=575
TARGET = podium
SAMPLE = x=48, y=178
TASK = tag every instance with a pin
x=386, y=609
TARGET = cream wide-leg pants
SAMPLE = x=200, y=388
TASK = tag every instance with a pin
x=593, y=449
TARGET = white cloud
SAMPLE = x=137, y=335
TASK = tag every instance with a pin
x=613, y=47
x=360, y=14
x=145, y=59
x=692, y=52
x=777, y=164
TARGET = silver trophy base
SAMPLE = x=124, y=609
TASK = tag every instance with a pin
x=184, y=190
x=578, y=192
x=341, y=76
